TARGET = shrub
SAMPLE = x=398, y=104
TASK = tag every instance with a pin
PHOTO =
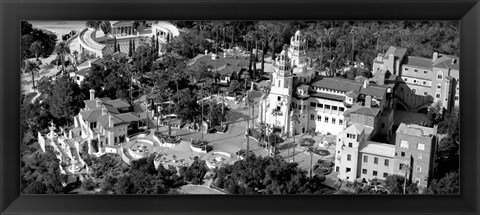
x=212, y=130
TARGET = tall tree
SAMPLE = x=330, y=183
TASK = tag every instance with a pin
x=62, y=50
x=66, y=100
x=36, y=48
x=32, y=68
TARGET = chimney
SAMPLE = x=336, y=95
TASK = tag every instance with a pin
x=206, y=52
x=368, y=101
x=381, y=78
x=379, y=57
x=435, y=56
x=99, y=103
x=224, y=55
x=110, y=121
x=104, y=111
x=365, y=83
x=214, y=56
x=92, y=94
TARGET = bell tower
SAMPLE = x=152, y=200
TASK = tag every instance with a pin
x=297, y=49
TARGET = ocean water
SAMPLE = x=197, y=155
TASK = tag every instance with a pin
x=59, y=27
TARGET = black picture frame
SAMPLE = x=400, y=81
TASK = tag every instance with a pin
x=12, y=12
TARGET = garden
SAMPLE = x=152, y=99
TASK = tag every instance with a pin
x=323, y=167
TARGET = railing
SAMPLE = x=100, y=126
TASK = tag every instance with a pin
x=87, y=42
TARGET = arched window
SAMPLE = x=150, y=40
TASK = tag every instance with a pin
x=440, y=75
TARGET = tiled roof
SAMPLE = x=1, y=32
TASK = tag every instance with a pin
x=445, y=62
x=119, y=55
x=117, y=103
x=415, y=130
x=339, y=84
x=328, y=96
x=397, y=52
x=231, y=62
x=127, y=117
x=419, y=62
x=362, y=110
x=103, y=120
x=83, y=72
x=92, y=105
x=229, y=70
x=91, y=115
x=374, y=91
x=376, y=148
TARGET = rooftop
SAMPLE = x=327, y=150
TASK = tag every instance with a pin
x=397, y=52
x=347, y=85
x=362, y=110
x=377, y=148
x=416, y=130
x=420, y=62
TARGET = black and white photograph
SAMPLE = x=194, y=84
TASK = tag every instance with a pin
x=319, y=107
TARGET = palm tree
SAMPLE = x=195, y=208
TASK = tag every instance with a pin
x=202, y=25
x=247, y=118
x=33, y=68
x=36, y=48
x=62, y=50
x=310, y=150
x=329, y=32
x=248, y=38
x=275, y=112
x=295, y=119
x=106, y=27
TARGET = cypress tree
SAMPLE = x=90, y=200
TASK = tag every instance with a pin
x=133, y=47
x=114, y=44
x=130, y=48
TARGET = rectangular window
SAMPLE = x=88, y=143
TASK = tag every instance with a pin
x=348, y=169
x=375, y=160
x=386, y=162
x=425, y=72
x=401, y=166
x=326, y=119
x=425, y=93
x=340, y=122
x=349, y=157
x=350, y=145
x=313, y=104
x=327, y=107
x=279, y=98
x=440, y=77
x=342, y=109
x=375, y=173
x=385, y=174
x=365, y=159
x=403, y=144
x=403, y=154
x=319, y=118
x=334, y=107
x=312, y=117
x=424, y=82
x=333, y=120
x=406, y=69
x=420, y=146
x=419, y=169
x=415, y=70
x=337, y=169
x=456, y=98
x=364, y=171
x=320, y=105
x=437, y=95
